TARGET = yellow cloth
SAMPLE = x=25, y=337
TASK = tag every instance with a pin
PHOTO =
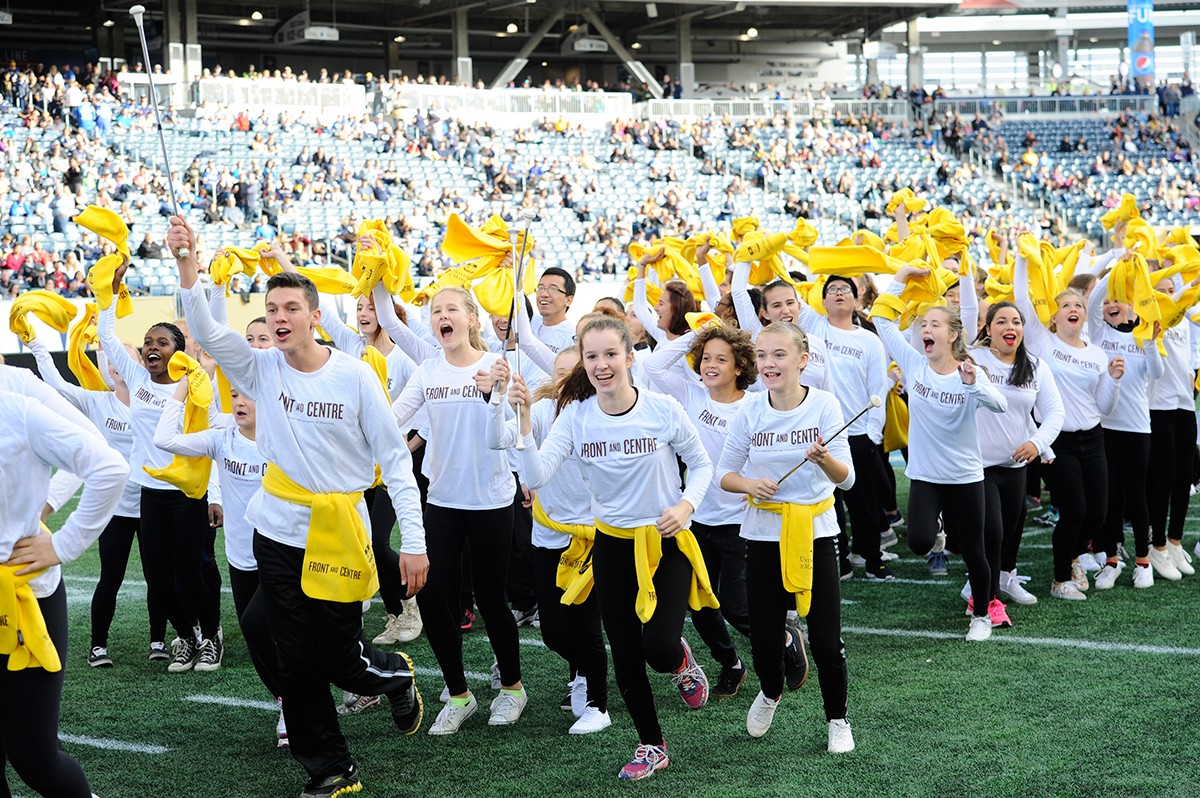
x=23, y=634
x=895, y=425
x=1181, y=236
x=389, y=264
x=575, y=577
x=100, y=280
x=339, y=564
x=851, y=261
x=647, y=553
x=1139, y=233
x=675, y=263
x=698, y=321
x=189, y=474
x=1129, y=282
x=1043, y=286
x=1127, y=210
x=762, y=251
x=233, y=260
x=653, y=292
x=719, y=247
x=224, y=391
x=796, y=546
x=992, y=240
x=106, y=224
x=54, y=310
x=865, y=238
x=912, y=203
x=82, y=333
x=481, y=255
x=330, y=279
x=743, y=226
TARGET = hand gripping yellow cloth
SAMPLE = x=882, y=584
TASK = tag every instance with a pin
x=100, y=280
x=575, y=577
x=653, y=292
x=339, y=564
x=1127, y=210
x=51, y=308
x=83, y=333
x=233, y=260
x=796, y=546
x=482, y=254
x=189, y=474
x=23, y=634
x=647, y=553
x=912, y=203
x=389, y=264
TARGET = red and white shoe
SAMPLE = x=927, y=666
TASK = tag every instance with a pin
x=690, y=679
x=647, y=760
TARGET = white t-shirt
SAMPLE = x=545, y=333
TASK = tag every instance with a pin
x=240, y=466
x=765, y=442
x=463, y=474
x=35, y=440
x=1173, y=391
x=1132, y=410
x=1001, y=433
x=556, y=336
x=628, y=460
x=816, y=373
x=857, y=368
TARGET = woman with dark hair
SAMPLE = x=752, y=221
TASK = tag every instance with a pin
x=668, y=319
x=1009, y=441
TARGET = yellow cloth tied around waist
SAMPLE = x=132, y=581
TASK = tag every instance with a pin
x=339, y=564
x=23, y=634
x=575, y=577
x=189, y=474
x=647, y=553
x=796, y=546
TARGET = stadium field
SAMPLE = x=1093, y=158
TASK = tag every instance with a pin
x=1078, y=698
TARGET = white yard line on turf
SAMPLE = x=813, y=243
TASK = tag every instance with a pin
x=112, y=745
x=475, y=677
x=91, y=580
x=1056, y=642
x=230, y=701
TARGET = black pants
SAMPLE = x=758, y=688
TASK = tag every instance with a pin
x=888, y=495
x=211, y=571
x=865, y=499
x=174, y=533
x=383, y=518
x=962, y=507
x=1004, y=519
x=115, y=544
x=489, y=533
x=769, y=605
x=521, y=594
x=1128, y=455
x=319, y=642
x=1078, y=481
x=418, y=458
x=29, y=706
x=634, y=644
x=1169, y=479
x=572, y=631
x=255, y=624
x=724, y=554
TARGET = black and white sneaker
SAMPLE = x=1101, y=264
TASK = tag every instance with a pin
x=795, y=659
x=730, y=680
x=158, y=651
x=99, y=658
x=879, y=572
x=408, y=708
x=212, y=651
x=183, y=655
x=524, y=617
x=333, y=786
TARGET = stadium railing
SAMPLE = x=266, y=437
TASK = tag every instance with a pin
x=268, y=93
x=516, y=107
x=1050, y=107
x=751, y=108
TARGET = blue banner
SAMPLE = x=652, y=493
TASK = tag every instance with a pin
x=1141, y=41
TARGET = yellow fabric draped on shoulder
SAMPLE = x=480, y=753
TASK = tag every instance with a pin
x=189, y=474
x=54, y=310
x=796, y=546
x=23, y=636
x=83, y=333
x=339, y=563
x=647, y=553
x=574, y=576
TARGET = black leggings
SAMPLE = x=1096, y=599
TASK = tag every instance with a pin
x=29, y=707
x=1078, y=480
x=1004, y=519
x=252, y=617
x=634, y=644
x=115, y=544
x=1128, y=455
x=963, y=509
x=865, y=499
x=520, y=589
x=490, y=535
x=572, y=631
x=1169, y=480
x=211, y=571
x=769, y=605
x=724, y=554
x=174, y=530
x=383, y=518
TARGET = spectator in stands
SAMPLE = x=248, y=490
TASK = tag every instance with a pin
x=149, y=248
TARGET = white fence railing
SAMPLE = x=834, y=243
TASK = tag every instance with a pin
x=1049, y=107
x=268, y=93
x=517, y=106
x=750, y=108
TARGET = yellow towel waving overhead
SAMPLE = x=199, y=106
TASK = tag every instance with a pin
x=106, y=224
x=911, y=202
x=744, y=226
x=385, y=261
x=189, y=474
x=100, y=279
x=763, y=250
x=233, y=260
x=54, y=310
x=82, y=334
x=484, y=256
x=1127, y=210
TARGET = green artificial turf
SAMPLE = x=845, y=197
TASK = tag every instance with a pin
x=931, y=717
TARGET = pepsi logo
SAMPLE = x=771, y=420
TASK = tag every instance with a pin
x=1143, y=63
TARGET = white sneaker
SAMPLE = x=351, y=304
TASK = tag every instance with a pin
x=507, y=707
x=762, y=712
x=856, y=561
x=888, y=556
x=1013, y=586
x=965, y=593
x=980, y=628
x=841, y=740
x=497, y=682
x=452, y=717
x=579, y=697
x=281, y=736
x=1143, y=577
x=1094, y=561
x=592, y=720
x=1066, y=590
x=366, y=605
x=1161, y=562
x=1182, y=560
x=939, y=542
x=390, y=635
x=1079, y=577
x=1108, y=576
x=1196, y=549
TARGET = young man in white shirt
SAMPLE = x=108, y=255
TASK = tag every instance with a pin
x=555, y=292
